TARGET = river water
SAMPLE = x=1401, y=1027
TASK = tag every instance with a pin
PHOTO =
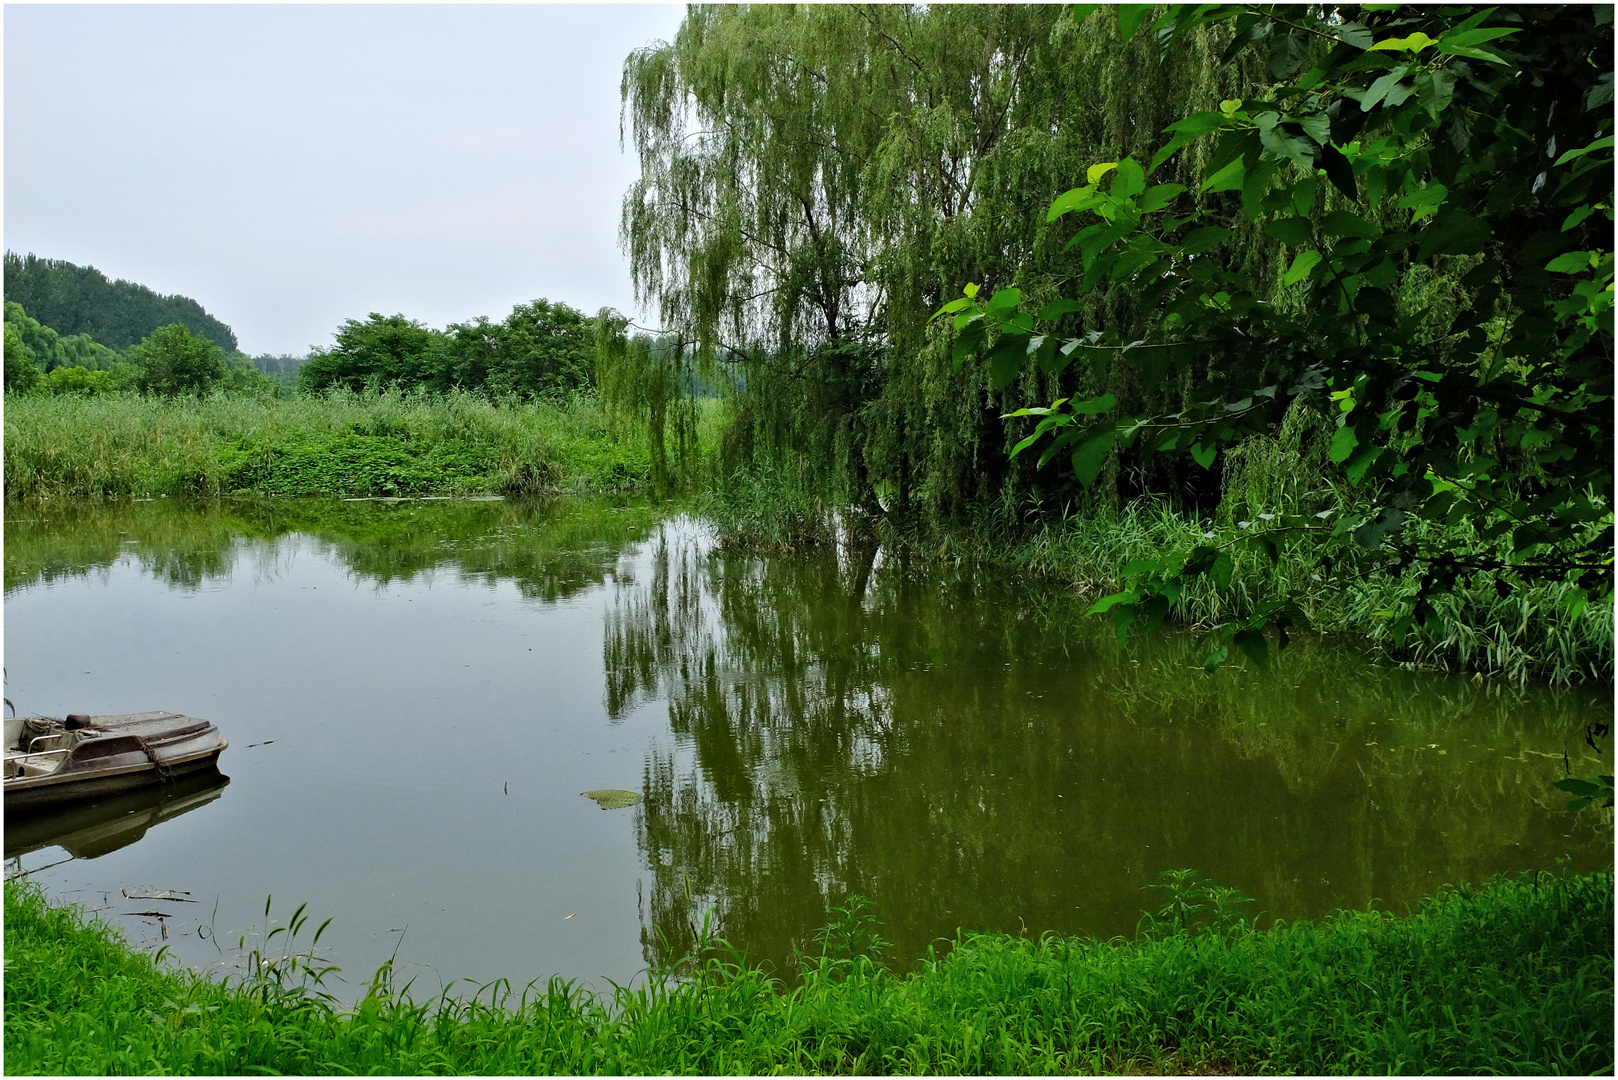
x=416, y=694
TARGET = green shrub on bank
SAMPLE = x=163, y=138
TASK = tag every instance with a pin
x=1516, y=977
x=355, y=444
x=1539, y=631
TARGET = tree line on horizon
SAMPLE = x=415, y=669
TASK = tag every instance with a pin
x=75, y=300
x=169, y=344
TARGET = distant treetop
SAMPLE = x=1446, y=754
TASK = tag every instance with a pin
x=81, y=300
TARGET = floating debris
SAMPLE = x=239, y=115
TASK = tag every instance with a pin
x=170, y=895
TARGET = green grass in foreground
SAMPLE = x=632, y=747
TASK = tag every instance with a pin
x=1516, y=977
x=340, y=443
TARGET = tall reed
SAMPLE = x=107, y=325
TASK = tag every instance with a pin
x=341, y=443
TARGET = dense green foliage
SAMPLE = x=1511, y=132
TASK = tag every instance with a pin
x=393, y=352
x=340, y=443
x=540, y=350
x=648, y=383
x=75, y=300
x=1513, y=978
x=1340, y=283
x=1445, y=320
x=1424, y=406
x=1527, y=633
x=169, y=361
x=174, y=361
x=49, y=350
x=21, y=373
x=815, y=180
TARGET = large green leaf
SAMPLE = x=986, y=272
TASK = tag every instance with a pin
x=1203, y=239
x=1303, y=264
x=1006, y=359
x=1090, y=456
x=1291, y=231
x=612, y=798
x=967, y=341
x=1346, y=223
x=1229, y=178
x=1130, y=181
x=1130, y=16
x=1079, y=198
x=1454, y=232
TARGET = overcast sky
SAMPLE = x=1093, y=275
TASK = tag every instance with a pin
x=290, y=167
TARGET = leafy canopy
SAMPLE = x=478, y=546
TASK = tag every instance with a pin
x=20, y=373
x=540, y=349
x=75, y=300
x=815, y=179
x=175, y=361
x=1474, y=144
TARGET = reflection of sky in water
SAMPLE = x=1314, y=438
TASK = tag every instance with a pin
x=963, y=748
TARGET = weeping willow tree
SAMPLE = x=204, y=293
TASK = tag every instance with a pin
x=816, y=179
x=645, y=381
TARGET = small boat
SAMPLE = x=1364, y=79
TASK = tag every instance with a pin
x=49, y=762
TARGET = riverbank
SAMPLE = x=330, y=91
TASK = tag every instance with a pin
x=1539, y=631
x=347, y=444
x=1543, y=630
x=1515, y=977
x=390, y=444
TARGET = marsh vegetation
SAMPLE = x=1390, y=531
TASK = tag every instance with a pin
x=1077, y=444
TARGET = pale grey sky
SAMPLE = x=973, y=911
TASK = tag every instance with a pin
x=292, y=166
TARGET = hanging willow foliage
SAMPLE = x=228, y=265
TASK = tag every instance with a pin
x=816, y=179
x=647, y=381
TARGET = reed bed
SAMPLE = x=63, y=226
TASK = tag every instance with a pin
x=1515, y=977
x=769, y=509
x=341, y=443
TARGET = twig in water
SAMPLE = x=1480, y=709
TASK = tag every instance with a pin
x=156, y=896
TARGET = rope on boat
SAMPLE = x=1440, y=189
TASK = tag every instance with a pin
x=164, y=773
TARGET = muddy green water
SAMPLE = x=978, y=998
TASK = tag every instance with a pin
x=416, y=694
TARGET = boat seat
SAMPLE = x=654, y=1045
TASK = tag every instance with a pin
x=40, y=764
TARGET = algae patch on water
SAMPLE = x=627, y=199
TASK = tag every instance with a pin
x=612, y=798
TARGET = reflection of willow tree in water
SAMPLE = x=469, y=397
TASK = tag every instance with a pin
x=973, y=755
x=551, y=550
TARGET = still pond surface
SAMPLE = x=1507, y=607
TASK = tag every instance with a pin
x=417, y=693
